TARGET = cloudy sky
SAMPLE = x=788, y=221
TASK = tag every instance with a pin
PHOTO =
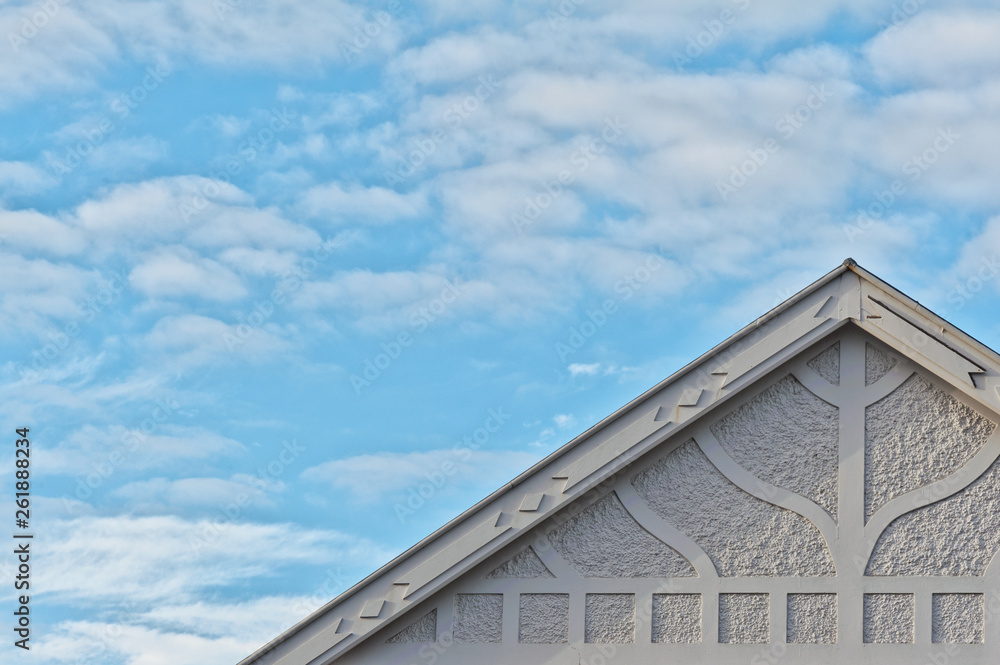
x=286, y=285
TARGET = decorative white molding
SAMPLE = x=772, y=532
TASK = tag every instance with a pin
x=433, y=567
x=372, y=609
x=665, y=532
x=690, y=397
x=934, y=492
x=783, y=335
x=531, y=502
x=756, y=487
x=614, y=447
x=922, y=341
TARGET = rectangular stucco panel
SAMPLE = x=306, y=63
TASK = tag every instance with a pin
x=544, y=618
x=958, y=618
x=812, y=618
x=677, y=618
x=889, y=618
x=478, y=617
x=744, y=618
x=610, y=618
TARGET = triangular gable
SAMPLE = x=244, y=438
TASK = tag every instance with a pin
x=693, y=510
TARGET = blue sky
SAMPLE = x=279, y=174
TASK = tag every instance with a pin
x=285, y=286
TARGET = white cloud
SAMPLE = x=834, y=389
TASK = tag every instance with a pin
x=176, y=633
x=174, y=273
x=545, y=439
x=30, y=230
x=976, y=268
x=152, y=208
x=67, y=386
x=821, y=62
x=577, y=369
x=34, y=293
x=76, y=371
x=948, y=48
x=64, y=55
x=258, y=617
x=389, y=476
x=683, y=134
x=563, y=263
x=231, y=125
x=343, y=110
x=63, y=508
x=163, y=495
x=78, y=42
x=312, y=146
x=128, y=155
x=664, y=28
x=264, y=228
x=289, y=93
x=458, y=56
x=203, y=212
x=23, y=178
x=157, y=559
x=445, y=10
x=479, y=203
x=159, y=444
x=362, y=205
x=277, y=34
x=564, y=420
x=945, y=140
x=252, y=261
x=193, y=340
x=394, y=298
x=625, y=35
x=678, y=146
x=135, y=645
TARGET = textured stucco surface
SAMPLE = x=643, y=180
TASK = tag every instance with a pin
x=744, y=618
x=524, y=565
x=958, y=618
x=877, y=363
x=743, y=536
x=888, y=618
x=544, y=618
x=610, y=618
x=957, y=536
x=812, y=618
x=827, y=364
x=478, y=617
x=605, y=541
x=677, y=618
x=788, y=437
x=423, y=629
x=917, y=435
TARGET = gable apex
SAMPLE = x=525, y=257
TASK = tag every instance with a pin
x=849, y=298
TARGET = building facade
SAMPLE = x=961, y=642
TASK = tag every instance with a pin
x=823, y=487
